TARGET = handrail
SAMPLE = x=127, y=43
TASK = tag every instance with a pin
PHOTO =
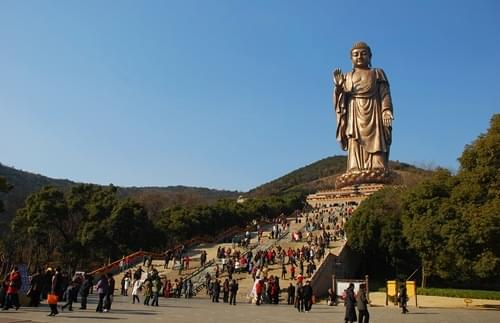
x=202, y=284
x=200, y=269
x=134, y=257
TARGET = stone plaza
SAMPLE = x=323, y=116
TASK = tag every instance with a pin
x=201, y=309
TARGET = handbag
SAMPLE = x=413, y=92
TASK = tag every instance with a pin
x=52, y=299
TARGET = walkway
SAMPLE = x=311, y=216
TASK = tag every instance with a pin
x=202, y=310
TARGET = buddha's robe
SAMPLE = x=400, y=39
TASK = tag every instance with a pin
x=360, y=105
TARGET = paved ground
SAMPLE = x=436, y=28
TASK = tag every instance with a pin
x=378, y=299
x=202, y=310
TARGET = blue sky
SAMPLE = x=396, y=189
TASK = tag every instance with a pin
x=231, y=94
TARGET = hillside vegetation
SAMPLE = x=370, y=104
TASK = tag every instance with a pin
x=321, y=175
x=317, y=176
x=60, y=221
x=153, y=198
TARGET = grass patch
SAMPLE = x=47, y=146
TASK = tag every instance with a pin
x=460, y=293
x=451, y=292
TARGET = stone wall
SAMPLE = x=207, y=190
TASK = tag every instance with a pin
x=345, y=265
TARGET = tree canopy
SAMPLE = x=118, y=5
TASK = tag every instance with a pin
x=90, y=224
x=87, y=224
x=450, y=222
x=4, y=188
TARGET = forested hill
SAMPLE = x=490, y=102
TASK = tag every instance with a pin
x=23, y=184
x=321, y=175
x=308, y=179
x=153, y=198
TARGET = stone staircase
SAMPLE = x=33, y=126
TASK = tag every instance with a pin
x=197, y=273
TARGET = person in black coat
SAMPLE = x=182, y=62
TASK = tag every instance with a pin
x=291, y=294
x=110, y=293
x=36, y=287
x=233, y=291
x=362, y=303
x=308, y=295
x=225, y=291
x=57, y=283
x=215, y=291
x=403, y=299
x=84, y=291
x=350, y=305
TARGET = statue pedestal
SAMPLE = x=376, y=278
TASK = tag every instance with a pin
x=349, y=195
x=371, y=176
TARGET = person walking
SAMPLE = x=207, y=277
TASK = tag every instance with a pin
x=102, y=290
x=203, y=258
x=57, y=283
x=13, y=286
x=259, y=287
x=225, y=291
x=403, y=299
x=52, y=301
x=216, y=291
x=233, y=291
x=155, y=290
x=35, y=290
x=71, y=292
x=299, y=298
x=135, y=291
x=308, y=296
x=362, y=303
x=110, y=293
x=147, y=291
x=126, y=284
x=350, y=305
x=190, y=288
x=84, y=291
x=291, y=294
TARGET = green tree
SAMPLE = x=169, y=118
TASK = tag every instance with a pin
x=478, y=197
x=42, y=222
x=376, y=231
x=83, y=227
x=128, y=229
x=425, y=214
x=4, y=188
x=453, y=222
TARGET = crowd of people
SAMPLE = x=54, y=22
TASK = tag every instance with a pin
x=55, y=285
x=296, y=264
x=229, y=289
x=331, y=218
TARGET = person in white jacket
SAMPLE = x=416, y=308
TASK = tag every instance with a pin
x=126, y=285
x=135, y=291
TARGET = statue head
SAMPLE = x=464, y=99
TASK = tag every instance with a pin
x=361, y=55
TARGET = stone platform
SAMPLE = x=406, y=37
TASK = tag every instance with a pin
x=350, y=195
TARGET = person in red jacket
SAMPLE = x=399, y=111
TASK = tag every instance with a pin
x=258, y=289
x=13, y=285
